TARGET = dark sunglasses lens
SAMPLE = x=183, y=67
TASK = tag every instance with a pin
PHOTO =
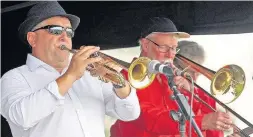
x=70, y=33
x=59, y=30
x=56, y=30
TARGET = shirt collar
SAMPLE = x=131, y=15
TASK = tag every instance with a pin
x=33, y=63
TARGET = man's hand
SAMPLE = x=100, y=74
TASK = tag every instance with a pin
x=216, y=121
x=124, y=91
x=181, y=82
x=76, y=69
x=81, y=60
x=101, y=71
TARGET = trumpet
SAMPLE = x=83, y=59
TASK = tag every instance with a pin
x=229, y=79
x=138, y=74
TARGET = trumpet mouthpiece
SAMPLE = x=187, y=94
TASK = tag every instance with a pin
x=62, y=47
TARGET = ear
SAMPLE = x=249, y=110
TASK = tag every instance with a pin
x=144, y=44
x=31, y=38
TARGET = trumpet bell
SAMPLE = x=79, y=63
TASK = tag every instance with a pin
x=138, y=74
x=228, y=83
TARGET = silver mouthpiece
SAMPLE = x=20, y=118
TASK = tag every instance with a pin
x=63, y=47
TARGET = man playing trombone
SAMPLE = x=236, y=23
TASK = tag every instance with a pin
x=159, y=41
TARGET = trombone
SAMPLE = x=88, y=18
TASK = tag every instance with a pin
x=228, y=80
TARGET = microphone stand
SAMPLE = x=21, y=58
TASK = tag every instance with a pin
x=183, y=113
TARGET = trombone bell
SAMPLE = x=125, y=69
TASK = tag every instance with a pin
x=228, y=83
x=138, y=74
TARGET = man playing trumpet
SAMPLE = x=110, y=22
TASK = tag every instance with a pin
x=51, y=96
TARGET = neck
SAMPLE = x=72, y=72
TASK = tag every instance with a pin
x=58, y=67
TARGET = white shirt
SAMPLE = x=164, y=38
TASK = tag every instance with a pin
x=33, y=107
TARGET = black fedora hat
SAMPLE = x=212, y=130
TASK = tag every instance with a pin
x=42, y=11
x=161, y=25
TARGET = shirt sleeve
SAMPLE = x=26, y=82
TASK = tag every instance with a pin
x=23, y=106
x=124, y=109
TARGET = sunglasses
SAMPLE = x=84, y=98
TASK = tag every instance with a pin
x=58, y=30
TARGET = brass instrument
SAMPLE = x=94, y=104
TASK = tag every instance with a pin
x=138, y=75
x=229, y=79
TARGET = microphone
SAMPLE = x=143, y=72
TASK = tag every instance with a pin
x=167, y=68
x=155, y=66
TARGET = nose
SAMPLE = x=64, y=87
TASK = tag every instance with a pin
x=63, y=36
x=171, y=54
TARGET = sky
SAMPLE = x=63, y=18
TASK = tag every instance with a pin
x=220, y=50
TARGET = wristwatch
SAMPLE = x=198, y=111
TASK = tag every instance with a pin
x=117, y=86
